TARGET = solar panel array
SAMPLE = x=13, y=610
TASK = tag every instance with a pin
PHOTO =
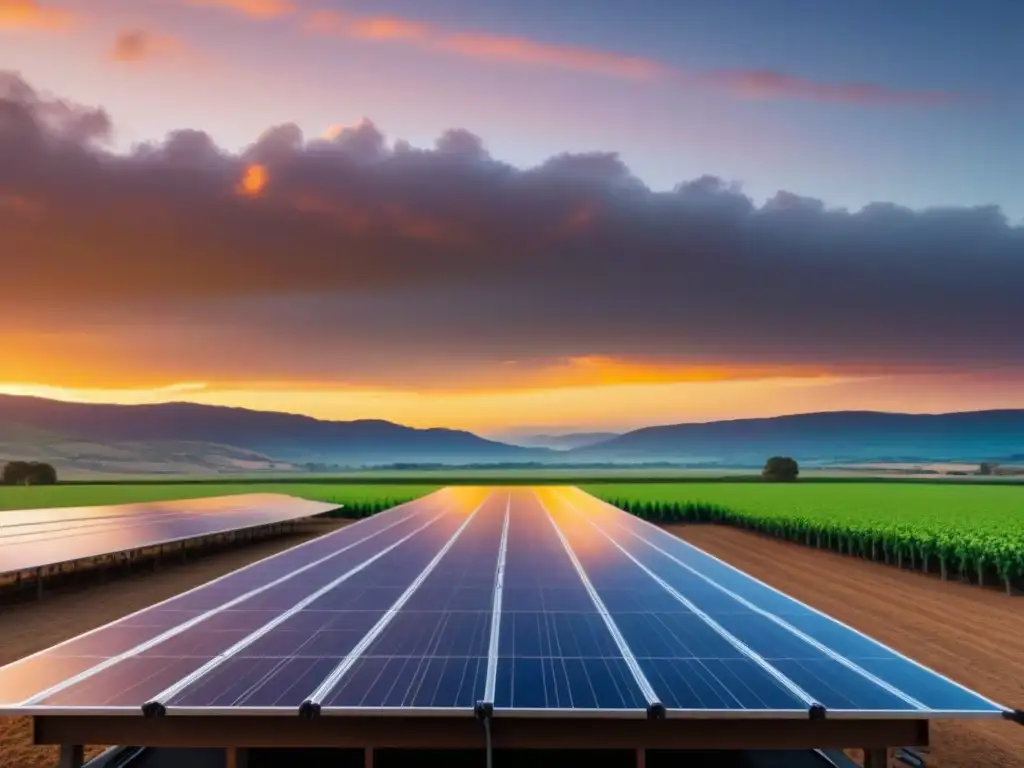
x=36, y=538
x=540, y=602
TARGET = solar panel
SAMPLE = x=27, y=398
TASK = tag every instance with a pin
x=39, y=538
x=536, y=603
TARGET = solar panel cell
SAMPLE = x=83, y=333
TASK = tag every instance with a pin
x=435, y=652
x=925, y=686
x=560, y=682
x=734, y=684
x=402, y=681
x=555, y=650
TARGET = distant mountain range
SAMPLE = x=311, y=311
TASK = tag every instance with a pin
x=825, y=438
x=186, y=438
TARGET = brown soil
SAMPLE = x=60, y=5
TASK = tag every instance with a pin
x=972, y=635
x=32, y=626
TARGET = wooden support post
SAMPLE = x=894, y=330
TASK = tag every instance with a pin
x=876, y=758
x=39, y=583
x=71, y=756
x=641, y=758
x=368, y=757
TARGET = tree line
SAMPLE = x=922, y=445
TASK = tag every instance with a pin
x=28, y=473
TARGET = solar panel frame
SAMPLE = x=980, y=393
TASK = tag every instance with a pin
x=20, y=563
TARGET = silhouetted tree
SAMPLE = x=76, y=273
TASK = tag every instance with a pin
x=781, y=469
x=986, y=468
x=29, y=473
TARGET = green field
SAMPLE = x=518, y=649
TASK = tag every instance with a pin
x=974, y=531
x=358, y=500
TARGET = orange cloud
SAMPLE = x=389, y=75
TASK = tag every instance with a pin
x=33, y=15
x=388, y=28
x=256, y=9
x=253, y=182
x=739, y=83
x=136, y=45
x=522, y=51
x=599, y=370
x=477, y=45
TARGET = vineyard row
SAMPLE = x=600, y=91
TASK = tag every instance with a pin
x=976, y=558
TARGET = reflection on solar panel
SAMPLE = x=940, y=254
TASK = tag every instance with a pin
x=536, y=603
x=37, y=538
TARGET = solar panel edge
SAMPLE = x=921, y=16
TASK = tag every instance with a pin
x=251, y=566
x=667, y=536
x=305, y=508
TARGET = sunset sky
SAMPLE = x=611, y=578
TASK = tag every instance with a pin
x=571, y=215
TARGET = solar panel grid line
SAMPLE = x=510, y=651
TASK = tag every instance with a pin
x=499, y=579
x=196, y=620
x=311, y=707
x=668, y=537
x=157, y=704
x=831, y=653
x=734, y=641
x=639, y=677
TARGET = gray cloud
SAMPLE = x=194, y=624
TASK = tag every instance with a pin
x=355, y=243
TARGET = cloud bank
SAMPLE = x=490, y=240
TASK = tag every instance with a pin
x=357, y=259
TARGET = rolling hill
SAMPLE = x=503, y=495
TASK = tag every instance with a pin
x=285, y=437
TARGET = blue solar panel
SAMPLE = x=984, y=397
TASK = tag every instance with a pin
x=536, y=602
x=555, y=651
x=845, y=668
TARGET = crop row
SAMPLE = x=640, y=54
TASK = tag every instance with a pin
x=925, y=529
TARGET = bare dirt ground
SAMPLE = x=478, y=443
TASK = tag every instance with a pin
x=971, y=635
x=34, y=626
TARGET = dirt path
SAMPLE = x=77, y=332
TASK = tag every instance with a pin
x=971, y=635
x=32, y=627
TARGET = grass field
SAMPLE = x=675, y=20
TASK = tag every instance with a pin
x=975, y=531
x=356, y=498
